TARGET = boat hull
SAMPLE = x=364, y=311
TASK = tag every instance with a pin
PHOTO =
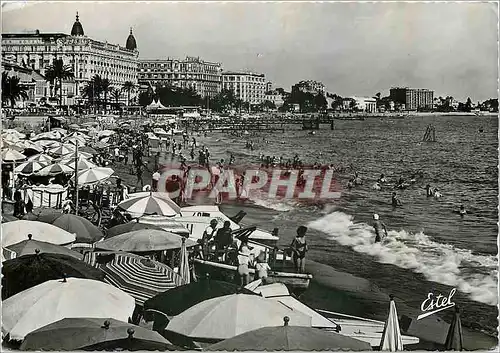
x=296, y=283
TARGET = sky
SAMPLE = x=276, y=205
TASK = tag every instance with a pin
x=353, y=48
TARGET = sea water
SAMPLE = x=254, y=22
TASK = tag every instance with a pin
x=429, y=247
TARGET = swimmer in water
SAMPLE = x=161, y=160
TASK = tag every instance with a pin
x=428, y=191
x=377, y=186
x=437, y=194
x=382, y=179
x=462, y=212
x=378, y=226
x=350, y=184
x=395, y=201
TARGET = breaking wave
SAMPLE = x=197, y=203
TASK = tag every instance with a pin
x=442, y=263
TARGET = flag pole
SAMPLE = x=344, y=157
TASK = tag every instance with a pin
x=76, y=177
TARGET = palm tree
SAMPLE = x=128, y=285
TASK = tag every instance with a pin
x=115, y=94
x=106, y=87
x=12, y=90
x=59, y=72
x=93, y=90
x=128, y=87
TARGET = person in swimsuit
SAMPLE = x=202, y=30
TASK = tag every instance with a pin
x=395, y=201
x=428, y=191
x=380, y=228
x=299, y=249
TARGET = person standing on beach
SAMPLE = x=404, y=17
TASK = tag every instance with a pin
x=243, y=262
x=299, y=249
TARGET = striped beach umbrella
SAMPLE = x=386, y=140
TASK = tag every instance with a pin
x=29, y=167
x=62, y=150
x=54, y=169
x=93, y=175
x=41, y=158
x=145, y=240
x=138, y=276
x=149, y=205
x=75, y=140
x=82, y=163
x=11, y=155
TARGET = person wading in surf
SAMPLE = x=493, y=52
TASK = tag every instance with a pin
x=299, y=249
x=380, y=229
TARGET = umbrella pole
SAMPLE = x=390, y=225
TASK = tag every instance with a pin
x=76, y=178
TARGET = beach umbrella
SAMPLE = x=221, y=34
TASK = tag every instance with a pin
x=29, y=247
x=11, y=155
x=62, y=150
x=184, y=271
x=30, y=145
x=87, y=149
x=84, y=230
x=228, y=316
x=51, y=135
x=45, y=215
x=8, y=218
x=93, y=175
x=145, y=240
x=105, y=133
x=391, y=336
x=48, y=143
x=291, y=338
x=149, y=205
x=16, y=231
x=54, y=169
x=29, y=167
x=74, y=126
x=84, y=154
x=41, y=158
x=58, y=299
x=176, y=300
x=165, y=223
x=128, y=227
x=83, y=163
x=79, y=135
x=5, y=144
x=13, y=132
x=28, y=271
x=71, y=334
x=138, y=276
x=11, y=138
x=455, y=338
x=75, y=140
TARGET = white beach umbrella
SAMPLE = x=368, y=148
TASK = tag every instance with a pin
x=48, y=143
x=13, y=132
x=105, y=133
x=391, y=337
x=11, y=155
x=55, y=300
x=27, y=144
x=62, y=150
x=17, y=231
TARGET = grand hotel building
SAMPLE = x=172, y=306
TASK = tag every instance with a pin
x=87, y=57
x=204, y=77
